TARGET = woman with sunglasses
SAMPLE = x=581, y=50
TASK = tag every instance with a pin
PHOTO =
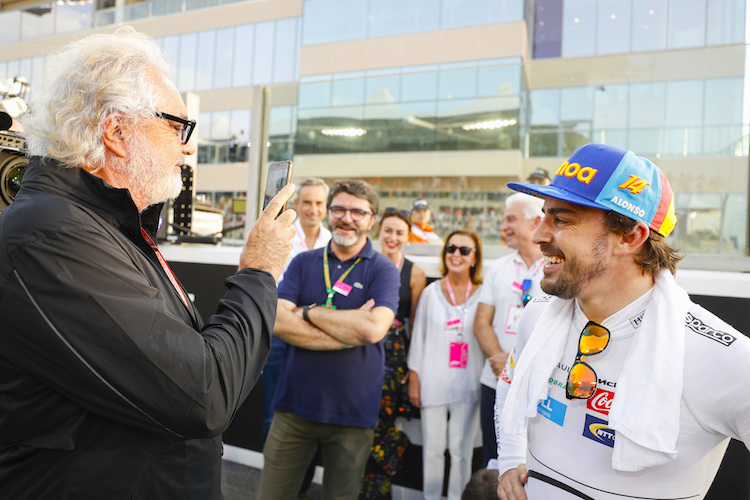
x=445, y=363
x=390, y=442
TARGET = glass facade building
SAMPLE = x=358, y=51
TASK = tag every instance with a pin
x=448, y=100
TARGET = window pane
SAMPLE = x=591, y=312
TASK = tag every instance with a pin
x=457, y=84
x=285, y=61
x=684, y=103
x=646, y=142
x=545, y=107
x=37, y=72
x=326, y=21
x=280, y=121
x=204, y=74
x=204, y=125
x=613, y=29
x=221, y=126
x=171, y=49
x=244, y=41
x=348, y=92
x=649, y=25
x=73, y=18
x=611, y=107
x=11, y=23
x=724, y=101
x=647, y=105
x=263, y=55
x=389, y=17
x=688, y=26
x=240, y=120
x=13, y=69
x=330, y=130
x=186, y=66
x=725, y=22
x=722, y=141
x=314, y=95
x=419, y=86
x=462, y=13
x=382, y=89
x=577, y=104
x=683, y=141
x=37, y=22
x=224, y=58
x=499, y=80
x=407, y=126
x=579, y=27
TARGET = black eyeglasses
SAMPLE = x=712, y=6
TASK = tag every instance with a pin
x=582, y=378
x=357, y=214
x=464, y=250
x=187, y=125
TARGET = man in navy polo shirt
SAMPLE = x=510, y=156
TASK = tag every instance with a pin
x=335, y=307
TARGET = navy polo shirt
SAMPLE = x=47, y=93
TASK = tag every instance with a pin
x=336, y=387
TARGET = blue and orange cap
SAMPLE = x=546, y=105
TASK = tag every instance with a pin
x=611, y=178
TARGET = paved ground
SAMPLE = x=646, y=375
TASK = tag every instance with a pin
x=241, y=483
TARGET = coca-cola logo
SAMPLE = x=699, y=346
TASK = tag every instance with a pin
x=504, y=376
x=601, y=401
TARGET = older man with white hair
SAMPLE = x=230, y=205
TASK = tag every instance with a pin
x=111, y=385
x=510, y=283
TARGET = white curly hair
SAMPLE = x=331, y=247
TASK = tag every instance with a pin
x=85, y=83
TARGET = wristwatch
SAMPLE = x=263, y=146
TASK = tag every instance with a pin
x=304, y=312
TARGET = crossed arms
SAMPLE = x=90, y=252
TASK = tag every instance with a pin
x=332, y=329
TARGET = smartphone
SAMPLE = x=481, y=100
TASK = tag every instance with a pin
x=279, y=175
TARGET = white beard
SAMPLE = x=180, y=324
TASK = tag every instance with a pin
x=146, y=172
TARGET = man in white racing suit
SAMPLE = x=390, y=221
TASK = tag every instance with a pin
x=619, y=382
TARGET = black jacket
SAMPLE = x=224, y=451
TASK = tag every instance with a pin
x=109, y=386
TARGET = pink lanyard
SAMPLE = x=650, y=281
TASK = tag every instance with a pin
x=301, y=238
x=166, y=268
x=453, y=296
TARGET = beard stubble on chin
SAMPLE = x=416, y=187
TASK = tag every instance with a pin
x=146, y=172
x=576, y=272
x=345, y=241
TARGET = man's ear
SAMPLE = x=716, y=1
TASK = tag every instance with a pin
x=631, y=243
x=113, y=136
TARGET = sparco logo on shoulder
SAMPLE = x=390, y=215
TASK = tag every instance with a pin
x=699, y=326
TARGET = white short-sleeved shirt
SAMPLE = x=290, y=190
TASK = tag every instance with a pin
x=502, y=290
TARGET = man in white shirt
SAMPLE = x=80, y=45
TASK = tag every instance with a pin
x=310, y=205
x=622, y=387
x=510, y=283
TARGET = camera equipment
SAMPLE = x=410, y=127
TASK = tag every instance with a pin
x=13, y=161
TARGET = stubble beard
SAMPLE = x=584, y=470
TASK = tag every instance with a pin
x=576, y=274
x=346, y=241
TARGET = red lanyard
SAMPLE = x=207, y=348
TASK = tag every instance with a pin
x=166, y=268
x=452, y=295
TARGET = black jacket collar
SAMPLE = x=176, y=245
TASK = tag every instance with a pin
x=114, y=204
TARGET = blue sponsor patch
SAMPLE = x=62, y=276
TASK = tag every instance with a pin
x=598, y=430
x=552, y=410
